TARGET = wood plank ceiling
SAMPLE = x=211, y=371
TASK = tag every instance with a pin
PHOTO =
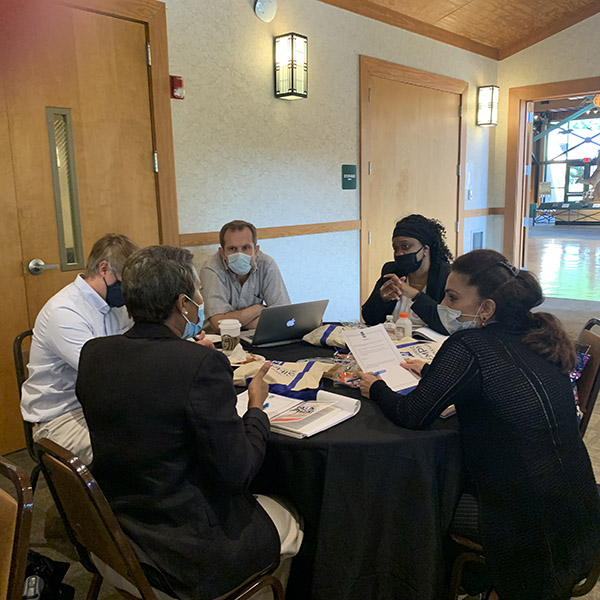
x=492, y=28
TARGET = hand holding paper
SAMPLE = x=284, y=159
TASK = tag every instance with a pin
x=374, y=350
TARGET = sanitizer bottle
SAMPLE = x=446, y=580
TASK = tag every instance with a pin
x=403, y=326
x=390, y=326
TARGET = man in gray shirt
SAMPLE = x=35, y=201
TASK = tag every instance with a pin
x=238, y=281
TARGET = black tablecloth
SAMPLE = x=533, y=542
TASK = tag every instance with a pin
x=377, y=501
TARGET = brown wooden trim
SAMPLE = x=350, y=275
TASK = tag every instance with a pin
x=403, y=74
x=556, y=26
x=517, y=104
x=265, y=233
x=163, y=128
x=136, y=10
x=369, y=66
x=392, y=17
x=153, y=14
x=483, y=212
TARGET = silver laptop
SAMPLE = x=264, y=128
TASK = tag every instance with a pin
x=286, y=324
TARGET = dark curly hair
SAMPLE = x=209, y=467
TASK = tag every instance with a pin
x=428, y=231
x=515, y=293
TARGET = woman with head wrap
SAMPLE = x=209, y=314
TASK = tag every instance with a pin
x=414, y=282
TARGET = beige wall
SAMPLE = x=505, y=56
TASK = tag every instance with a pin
x=240, y=153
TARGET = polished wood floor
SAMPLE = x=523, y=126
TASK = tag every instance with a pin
x=566, y=260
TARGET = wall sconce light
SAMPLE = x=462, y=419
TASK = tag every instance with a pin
x=487, y=105
x=291, y=66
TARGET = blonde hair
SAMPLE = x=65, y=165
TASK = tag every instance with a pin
x=115, y=248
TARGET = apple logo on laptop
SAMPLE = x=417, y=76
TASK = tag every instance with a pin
x=291, y=322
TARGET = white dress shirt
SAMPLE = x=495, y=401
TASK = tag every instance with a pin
x=67, y=321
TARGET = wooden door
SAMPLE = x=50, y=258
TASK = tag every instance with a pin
x=410, y=156
x=96, y=66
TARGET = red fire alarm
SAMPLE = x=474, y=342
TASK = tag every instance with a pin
x=177, y=91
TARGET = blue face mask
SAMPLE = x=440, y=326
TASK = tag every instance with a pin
x=449, y=318
x=193, y=329
x=114, y=295
x=239, y=263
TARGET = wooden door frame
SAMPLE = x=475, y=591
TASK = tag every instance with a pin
x=152, y=14
x=515, y=200
x=387, y=70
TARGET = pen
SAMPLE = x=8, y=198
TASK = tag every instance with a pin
x=266, y=405
x=358, y=378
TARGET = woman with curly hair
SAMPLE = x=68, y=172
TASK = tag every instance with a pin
x=415, y=280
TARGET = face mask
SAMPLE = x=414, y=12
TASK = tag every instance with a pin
x=114, y=295
x=193, y=329
x=449, y=318
x=239, y=263
x=407, y=263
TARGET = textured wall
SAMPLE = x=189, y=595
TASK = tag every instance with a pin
x=240, y=153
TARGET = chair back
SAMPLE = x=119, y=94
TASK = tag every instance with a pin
x=21, y=358
x=88, y=518
x=15, y=527
x=588, y=385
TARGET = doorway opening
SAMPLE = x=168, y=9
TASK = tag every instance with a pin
x=563, y=237
x=551, y=224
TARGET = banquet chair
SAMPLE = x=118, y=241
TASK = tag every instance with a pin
x=588, y=385
x=21, y=356
x=99, y=540
x=473, y=552
x=15, y=527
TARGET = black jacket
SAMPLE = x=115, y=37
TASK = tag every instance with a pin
x=175, y=460
x=374, y=310
x=539, y=510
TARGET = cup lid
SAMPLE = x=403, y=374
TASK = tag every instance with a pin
x=229, y=323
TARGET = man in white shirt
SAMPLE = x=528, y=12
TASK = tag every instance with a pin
x=92, y=306
x=239, y=280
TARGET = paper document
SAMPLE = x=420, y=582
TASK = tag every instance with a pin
x=298, y=418
x=374, y=350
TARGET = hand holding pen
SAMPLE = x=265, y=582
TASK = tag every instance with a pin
x=367, y=380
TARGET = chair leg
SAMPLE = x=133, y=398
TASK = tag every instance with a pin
x=457, y=571
x=94, y=588
x=35, y=474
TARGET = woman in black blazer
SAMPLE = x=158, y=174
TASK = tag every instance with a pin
x=171, y=453
x=532, y=501
x=414, y=282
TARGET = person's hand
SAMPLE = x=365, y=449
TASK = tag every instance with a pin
x=201, y=339
x=413, y=364
x=366, y=381
x=258, y=390
x=405, y=289
x=391, y=289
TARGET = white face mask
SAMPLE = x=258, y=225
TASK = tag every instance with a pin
x=449, y=318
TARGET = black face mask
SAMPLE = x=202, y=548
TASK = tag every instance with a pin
x=114, y=295
x=407, y=263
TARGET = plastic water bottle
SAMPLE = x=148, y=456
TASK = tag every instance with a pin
x=390, y=326
x=403, y=326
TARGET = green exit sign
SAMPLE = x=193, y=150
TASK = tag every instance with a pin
x=348, y=177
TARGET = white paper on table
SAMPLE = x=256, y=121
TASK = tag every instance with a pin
x=374, y=350
x=274, y=404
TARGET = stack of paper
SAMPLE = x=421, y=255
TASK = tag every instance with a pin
x=298, y=418
x=376, y=352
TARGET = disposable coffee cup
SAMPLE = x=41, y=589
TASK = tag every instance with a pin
x=230, y=334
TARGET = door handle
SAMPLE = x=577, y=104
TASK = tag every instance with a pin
x=37, y=266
